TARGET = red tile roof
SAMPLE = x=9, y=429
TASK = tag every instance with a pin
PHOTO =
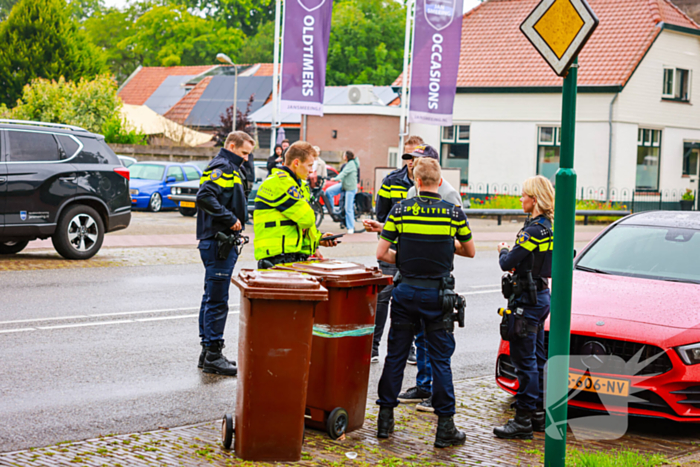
x=180, y=111
x=265, y=69
x=495, y=53
x=140, y=87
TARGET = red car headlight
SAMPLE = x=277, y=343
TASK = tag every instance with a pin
x=690, y=354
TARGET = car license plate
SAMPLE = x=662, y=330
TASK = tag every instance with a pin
x=187, y=204
x=615, y=387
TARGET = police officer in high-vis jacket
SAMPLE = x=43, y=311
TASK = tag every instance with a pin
x=221, y=209
x=285, y=223
x=530, y=262
x=427, y=232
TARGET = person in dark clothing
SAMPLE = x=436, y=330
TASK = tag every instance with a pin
x=425, y=275
x=221, y=207
x=275, y=159
x=530, y=259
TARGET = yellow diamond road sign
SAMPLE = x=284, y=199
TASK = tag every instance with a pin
x=559, y=29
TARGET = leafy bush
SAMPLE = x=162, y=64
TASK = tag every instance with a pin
x=496, y=202
x=91, y=104
x=688, y=195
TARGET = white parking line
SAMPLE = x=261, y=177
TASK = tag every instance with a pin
x=7, y=331
x=163, y=318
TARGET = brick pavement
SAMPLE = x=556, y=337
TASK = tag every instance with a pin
x=481, y=405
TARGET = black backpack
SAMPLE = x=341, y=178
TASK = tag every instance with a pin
x=363, y=202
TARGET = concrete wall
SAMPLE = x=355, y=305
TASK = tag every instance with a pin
x=369, y=137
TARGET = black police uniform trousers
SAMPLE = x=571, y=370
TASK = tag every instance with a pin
x=412, y=305
x=383, y=299
x=528, y=355
x=217, y=279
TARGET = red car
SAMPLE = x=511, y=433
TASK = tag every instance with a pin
x=636, y=295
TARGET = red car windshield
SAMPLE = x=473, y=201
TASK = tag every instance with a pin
x=644, y=251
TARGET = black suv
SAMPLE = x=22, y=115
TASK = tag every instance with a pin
x=62, y=182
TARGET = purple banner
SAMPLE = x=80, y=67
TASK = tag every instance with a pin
x=307, y=28
x=435, y=60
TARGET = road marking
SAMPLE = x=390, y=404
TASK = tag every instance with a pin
x=479, y=292
x=121, y=313
x=80, y=325
x=104, y=323
x=163, y=318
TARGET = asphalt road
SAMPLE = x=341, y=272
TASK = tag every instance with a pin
x=89, y=352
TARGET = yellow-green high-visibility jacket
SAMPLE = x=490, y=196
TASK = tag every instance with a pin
x=284, y=220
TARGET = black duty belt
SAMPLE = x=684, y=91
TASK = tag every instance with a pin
x=279, y=223
x=427, y=283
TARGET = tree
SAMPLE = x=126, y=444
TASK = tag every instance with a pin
x=91, y=104
x=40, y=39
x=366, y=43
x=242, y=122
x=169, y=36
x=260, y=47
x=246, y=15
x=106, y=29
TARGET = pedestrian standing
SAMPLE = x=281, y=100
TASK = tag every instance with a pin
x=394, y=188
x=530, y=259
x=275, y=159
x=425, y=277
x=221, y=207
x=348, y=178
x=422, y=391
x=285, y=223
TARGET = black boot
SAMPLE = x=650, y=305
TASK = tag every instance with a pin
x=385, y=422
x=447, y=433
x=519, y=427
x=539, y=421
x=216, y=363
x=202, y=354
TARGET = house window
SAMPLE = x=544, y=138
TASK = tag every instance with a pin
x=548, y=148
x=455, y=149
x=676, y=84
x=691, y=159
x=648, y=154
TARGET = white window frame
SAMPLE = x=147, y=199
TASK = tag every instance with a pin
x=456, y=133
x=442, y=134
x=676, y=93
x=673, y=83
x=556, y=137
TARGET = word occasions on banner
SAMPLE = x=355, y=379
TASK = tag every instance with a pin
x=435, y=61
x=307, y=28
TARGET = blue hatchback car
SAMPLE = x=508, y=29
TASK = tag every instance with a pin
x=150, y=183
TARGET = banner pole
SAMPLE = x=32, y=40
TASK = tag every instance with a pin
x=275, y=77
x=557, y=388
x=404, y=82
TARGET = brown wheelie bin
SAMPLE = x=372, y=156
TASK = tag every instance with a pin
x=342, y=344
x=274, y=347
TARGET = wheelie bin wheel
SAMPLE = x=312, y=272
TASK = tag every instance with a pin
x=227, y=431
x=337, y=423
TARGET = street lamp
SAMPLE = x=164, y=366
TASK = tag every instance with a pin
x=223, y=58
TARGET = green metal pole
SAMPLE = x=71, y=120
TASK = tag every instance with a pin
x=562, y=278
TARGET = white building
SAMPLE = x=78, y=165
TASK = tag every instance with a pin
x=638, y=108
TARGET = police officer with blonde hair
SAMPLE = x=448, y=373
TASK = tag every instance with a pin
x=427, y=232
x=527, y=291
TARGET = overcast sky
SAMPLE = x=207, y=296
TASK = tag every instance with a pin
x=468, y=4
